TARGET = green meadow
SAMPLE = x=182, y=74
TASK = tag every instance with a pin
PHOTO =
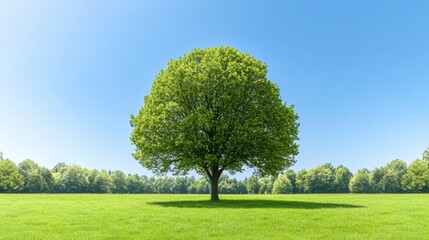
x=109, y=216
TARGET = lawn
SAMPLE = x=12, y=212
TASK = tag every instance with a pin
x=329, y=216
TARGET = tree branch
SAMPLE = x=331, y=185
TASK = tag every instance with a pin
x=207, y=171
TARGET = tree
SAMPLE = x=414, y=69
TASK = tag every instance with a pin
x=391, y=182
x=266, y=185
x=180, y=185
x=10, y=179
x=149, y=184
x=72, y=179
x=252, y=184
x=241, y=188
x=321, y=179
x=342, y=179
x=214, y=110
x=416, y=179
x=36, y=178
x=360, y=182
x=202, y=186
x=282, y=185
x=119, y=184
x=165, y=185
x=134, y=183
x=99, y=182
x=425, y=156
x=59, y=167
x=292, y=179
x=376, y=179
x=227, y=185
x=302, y=181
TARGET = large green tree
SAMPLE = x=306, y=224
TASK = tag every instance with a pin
x=214, y=110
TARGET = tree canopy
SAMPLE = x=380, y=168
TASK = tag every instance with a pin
x=10, y=179
x=425, y=156
x=30, y=177
x=360, y=183
x=214, y=110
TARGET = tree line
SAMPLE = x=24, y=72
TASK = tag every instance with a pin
x=395, y=177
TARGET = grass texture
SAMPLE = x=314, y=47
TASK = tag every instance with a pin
x=324, y=216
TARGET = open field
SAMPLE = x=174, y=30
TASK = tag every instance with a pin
x=193, y=217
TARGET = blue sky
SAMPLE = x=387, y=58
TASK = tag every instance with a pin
x=72, y=73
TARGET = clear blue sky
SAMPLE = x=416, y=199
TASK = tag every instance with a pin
x=72, y=73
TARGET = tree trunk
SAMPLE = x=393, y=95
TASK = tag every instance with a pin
x=215, y=189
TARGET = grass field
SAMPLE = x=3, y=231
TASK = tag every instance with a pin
x=234, y=217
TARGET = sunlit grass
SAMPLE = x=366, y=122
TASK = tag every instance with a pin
x=194, y=217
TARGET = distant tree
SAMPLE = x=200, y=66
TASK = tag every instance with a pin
x=49, y=178
x=134, y=183
x=425, y=156
x=391, y=181
x=202, y=186
x=180, y=185
x=342, y=179
x=73, y=179
x=266, y=184
x=190, y=182
x=416, y=179
x=227, y=185
x=165, y=185
x=321, y=179
x=57, y=172
x=91, y=181
x=214, y=110
x=59, y=168
x=36, y=179
x=149, y=184
x=376, y=179
x=10, y=179
x=241, y=188
x=192, y=188
x=282, y=185
x=290, y=174
x=359, y=183
x=302, y=181
x=252, y=184
x=119, y=184
x=99, y=182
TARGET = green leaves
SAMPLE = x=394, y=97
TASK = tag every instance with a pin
x=10, y=179
x=214, y=108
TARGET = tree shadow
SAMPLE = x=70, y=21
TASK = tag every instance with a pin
x=253, y=203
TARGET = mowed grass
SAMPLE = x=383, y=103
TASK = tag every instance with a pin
x=327, y=216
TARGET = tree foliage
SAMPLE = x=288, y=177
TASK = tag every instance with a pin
x=321, y=179
x=214, y=110
x=394, y=177
x=282, y=184
x=10, y=179
x=391, y=182
x=416, y=179
x=359, y=183
x=425, y=156
x=342, y=179
x=36, y=178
